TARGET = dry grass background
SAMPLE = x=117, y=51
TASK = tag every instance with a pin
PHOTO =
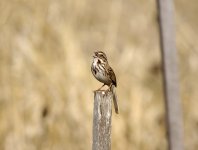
x=46, y=97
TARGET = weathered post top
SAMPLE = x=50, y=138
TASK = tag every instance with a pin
x=102, y=113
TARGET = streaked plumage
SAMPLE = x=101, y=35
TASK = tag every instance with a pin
x=104, y=73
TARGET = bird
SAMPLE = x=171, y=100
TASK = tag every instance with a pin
x=102, y=71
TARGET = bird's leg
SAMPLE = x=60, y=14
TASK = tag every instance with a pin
x=100, y=87
x=109, y=89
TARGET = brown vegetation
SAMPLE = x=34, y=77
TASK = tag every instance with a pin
x=46, y=85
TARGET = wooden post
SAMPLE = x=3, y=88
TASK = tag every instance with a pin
x=171, y=87
x=102, y=120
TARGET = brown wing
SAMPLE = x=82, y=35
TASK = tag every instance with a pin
x=112, y=76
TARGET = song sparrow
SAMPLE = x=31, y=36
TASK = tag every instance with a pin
x=104, y=73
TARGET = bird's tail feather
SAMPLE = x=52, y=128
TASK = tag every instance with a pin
x=115, y=101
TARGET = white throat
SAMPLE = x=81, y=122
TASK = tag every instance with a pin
x=95, y=61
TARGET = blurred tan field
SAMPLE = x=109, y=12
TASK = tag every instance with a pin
x=46, y=86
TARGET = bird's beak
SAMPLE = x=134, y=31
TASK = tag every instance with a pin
x=94, y=56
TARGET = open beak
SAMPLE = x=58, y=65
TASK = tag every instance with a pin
x=94, y=56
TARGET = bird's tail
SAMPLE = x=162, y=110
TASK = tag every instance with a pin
x=115, y=101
